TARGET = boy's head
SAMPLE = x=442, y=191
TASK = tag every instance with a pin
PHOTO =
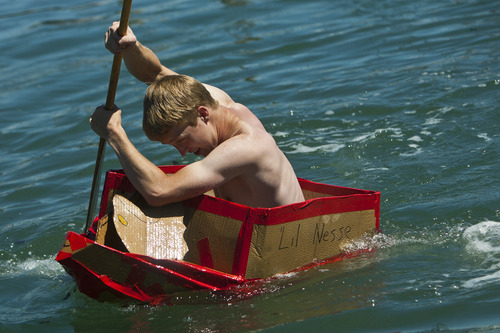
x=173, y=101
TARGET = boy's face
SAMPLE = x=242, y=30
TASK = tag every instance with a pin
x=191, y=139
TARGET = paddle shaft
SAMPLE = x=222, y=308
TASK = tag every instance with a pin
x=110, y=101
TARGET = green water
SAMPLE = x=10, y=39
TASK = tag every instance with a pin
x=395, y=96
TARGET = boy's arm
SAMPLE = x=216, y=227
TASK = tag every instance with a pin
x=152, y=183
x=143, y=63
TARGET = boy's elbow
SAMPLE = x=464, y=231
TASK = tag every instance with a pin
x=154, y=200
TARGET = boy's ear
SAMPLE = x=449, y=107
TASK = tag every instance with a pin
x=203, y=113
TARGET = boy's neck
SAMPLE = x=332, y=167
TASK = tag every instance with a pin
x=227, y=124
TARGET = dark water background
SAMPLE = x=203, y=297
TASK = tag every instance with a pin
x=397, y=96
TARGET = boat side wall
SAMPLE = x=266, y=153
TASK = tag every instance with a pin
x=261, y=242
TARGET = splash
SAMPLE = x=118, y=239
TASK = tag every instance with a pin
x=483, y=241
x=484, y=238
x=370, y=242
x=45, y=267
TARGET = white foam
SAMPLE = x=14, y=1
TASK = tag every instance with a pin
x=363, y=137
x=483, y=238
x=484, y=136
x=432, y=121
x=330, y=148
x=483, y=241
x=482, y=280
x=415, y=138
x=396, y=133
x=281, y=134
x=417, y=151
x=445, y=109
x=377, y=169
x=32, y=266
x=377, y=241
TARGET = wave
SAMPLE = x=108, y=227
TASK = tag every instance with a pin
x=483, y=242
x=330, y=148
x=45, y=267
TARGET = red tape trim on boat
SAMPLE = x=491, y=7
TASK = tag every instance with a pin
x=242, y=251
x=205, y=253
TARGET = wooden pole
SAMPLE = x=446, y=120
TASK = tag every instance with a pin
x=110, y=101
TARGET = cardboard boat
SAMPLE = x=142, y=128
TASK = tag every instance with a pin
x=146, y=254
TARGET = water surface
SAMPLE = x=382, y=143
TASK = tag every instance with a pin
x=395, y=96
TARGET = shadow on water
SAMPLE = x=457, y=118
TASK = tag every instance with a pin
x=321, y=291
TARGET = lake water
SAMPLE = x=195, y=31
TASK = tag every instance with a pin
x=397, y=96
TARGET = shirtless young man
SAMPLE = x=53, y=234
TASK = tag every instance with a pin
x=241, y=163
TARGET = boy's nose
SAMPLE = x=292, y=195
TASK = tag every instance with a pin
x=182, y=150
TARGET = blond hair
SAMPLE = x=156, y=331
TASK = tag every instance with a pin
x=172, y=101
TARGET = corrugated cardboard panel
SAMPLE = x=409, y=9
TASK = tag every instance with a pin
x=102, y=228
x=129, y=273
x=103, y=262
x=312, y=195
x=106, y=234
x=220, y=234
x=157, y=232
x=284, y=247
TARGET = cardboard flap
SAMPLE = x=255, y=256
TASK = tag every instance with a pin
x=156, y=232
